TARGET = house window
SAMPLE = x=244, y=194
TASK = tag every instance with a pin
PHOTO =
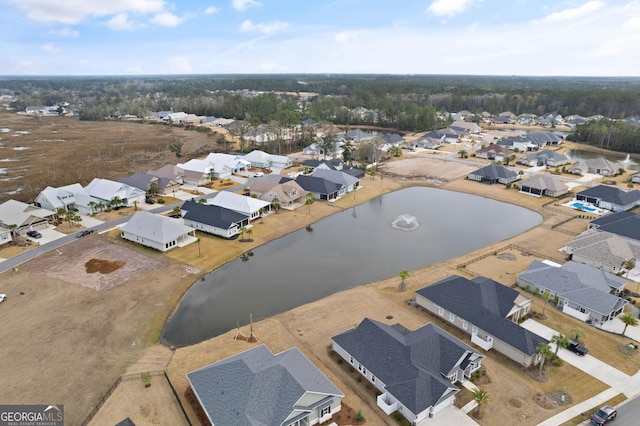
x=359, y=367
x=325, y=411
x=474, y=330
x=452, y=316
x=373, y=379
x=364, y=370
x=465, y=324
x=440, y=310
x=351, y=360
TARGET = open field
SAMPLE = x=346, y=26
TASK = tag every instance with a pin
x=73, y=337
x=56, y=151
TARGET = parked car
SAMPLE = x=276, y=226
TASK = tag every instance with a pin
x=603, y=415
x=34, y=234
x=150, y=201
x=85, y=233
x=2, y=297
x=577, y=348
x=258, y=174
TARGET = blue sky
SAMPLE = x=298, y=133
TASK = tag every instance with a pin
x=490, y=37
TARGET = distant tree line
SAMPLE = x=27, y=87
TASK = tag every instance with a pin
x=609, y=134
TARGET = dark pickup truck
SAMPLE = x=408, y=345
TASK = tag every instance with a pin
x=577, y=348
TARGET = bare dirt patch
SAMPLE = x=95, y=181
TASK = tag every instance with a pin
x=426, y=168
x=96, y=262
x=103, y=266
x=553, y=399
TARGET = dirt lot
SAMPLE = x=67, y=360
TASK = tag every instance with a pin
x=75, y=332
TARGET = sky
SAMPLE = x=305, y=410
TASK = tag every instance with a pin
x=475, y=37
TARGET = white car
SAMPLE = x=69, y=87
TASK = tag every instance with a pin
x=2, y=297
x=258, y=174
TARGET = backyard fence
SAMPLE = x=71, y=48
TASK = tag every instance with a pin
x=524, y=251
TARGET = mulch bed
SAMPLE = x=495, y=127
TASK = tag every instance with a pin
x=103, y=266
x=627, y=350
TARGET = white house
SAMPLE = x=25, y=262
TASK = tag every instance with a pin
x=111, y=193
x=25, y=217
x=56, y=198
x=213, y=220
x=252, y=207
x=156, y=231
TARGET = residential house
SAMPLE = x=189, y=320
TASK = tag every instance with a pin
x=494, y=173
x=322, y=189
x=488, y=311
x=603, y=250
x=146, y=182
x=333, y=164
x=414, y=371
x=54, y=199
x=174, y=117
x=212, y=219
x=544, y=158
x=492, y=151
x=287, y=191
x=169, y=172
x=579, y=290
x=317, y=150
x=256, y=387
x=157, y=232
x=624, y=224
x=543, y=184
x=199, y=172
x=599, y=166
x=501, y=119
x=350, y=183
x=263, y=160
x=506, y=117
x=610, y=197
x=252, y=207
x=465, y=126
x=519, y=143
x=5, y=235
x=542, y=138
x=428, y=142
x=109, y=192
x=25, y=217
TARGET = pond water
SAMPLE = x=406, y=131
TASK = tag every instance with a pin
x=407, y=229
x=622, y=159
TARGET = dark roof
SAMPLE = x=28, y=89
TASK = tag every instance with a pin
x=510, y=140
x=612, y=194
x=318, y=185
x=484, y=303
x=625, y=224
x=257, y=387
x=208, y=214
x=138, y=180
x=495, y=172
x=126, y=422
x=410, y=364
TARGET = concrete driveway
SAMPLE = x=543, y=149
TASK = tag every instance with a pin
x=449, y=416
x=602, y=371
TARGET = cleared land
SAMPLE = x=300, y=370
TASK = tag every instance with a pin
x=72, y=338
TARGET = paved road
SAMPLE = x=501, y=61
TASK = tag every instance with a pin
x=629, y=413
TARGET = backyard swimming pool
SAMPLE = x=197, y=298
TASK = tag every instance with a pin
x=580, y=206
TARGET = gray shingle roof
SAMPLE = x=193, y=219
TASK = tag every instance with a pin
x=495, y=172
x=318, y=185
x=484, y=303
x=208, y=214
x=612, y=194
x=257, y=387
x=583, y=284
x=625, y=224
x=411, y=364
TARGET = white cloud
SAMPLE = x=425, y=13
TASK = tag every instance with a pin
x=65, y=32
x=180, y=65
x=574, y=13
x=74, y=11
x=264, y=28
x=345, y=37
x=166, y=19
x=448, y=8
x=244, y=4
x=121, y=22
x=211, y=10
x=50, y=48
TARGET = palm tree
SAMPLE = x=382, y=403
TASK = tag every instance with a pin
x=92, y=206
x=544, y=350
x=546, y=296
x=310, y=200
x=116, y=201
x=198, y=241
x=629, y=265
x=153, y=188
x=176, y=211
x=629, y=320
x=61, y=212
x=101, y=206
x=578, y=332
x=561, y=341
x=242, y=231
x=69, y=217
x=275, y=203
x=481, y=397
x=404, y=274
x=463, y=153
